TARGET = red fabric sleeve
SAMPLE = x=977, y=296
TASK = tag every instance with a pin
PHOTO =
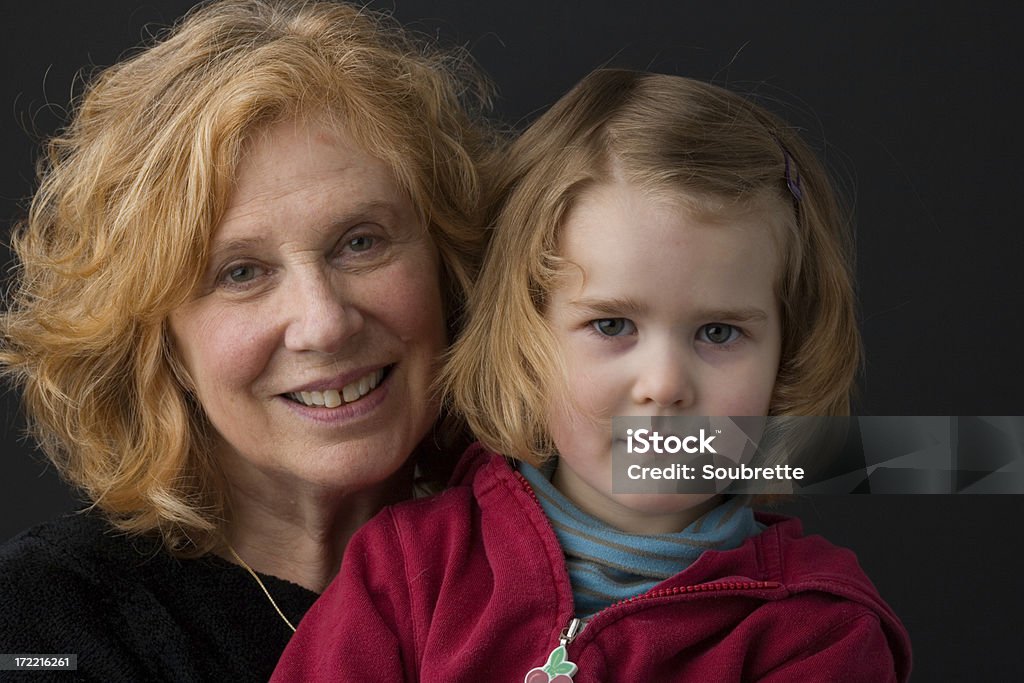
x=854, y=651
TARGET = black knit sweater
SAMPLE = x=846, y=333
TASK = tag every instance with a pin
x=132, y=612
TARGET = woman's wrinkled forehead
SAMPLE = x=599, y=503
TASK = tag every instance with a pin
x=323, y=127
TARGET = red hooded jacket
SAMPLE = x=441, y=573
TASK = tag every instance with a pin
x=471, y=586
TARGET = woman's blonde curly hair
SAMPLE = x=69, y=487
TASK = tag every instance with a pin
x=129, y=196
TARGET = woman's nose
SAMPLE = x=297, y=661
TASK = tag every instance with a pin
x=321, y=318
x=665, y=379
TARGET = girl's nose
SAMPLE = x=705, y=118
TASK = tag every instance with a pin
x=665, y=379
x=321, y=318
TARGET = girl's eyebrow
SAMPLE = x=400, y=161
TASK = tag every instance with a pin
x=617, y=307
x=738, y=315
x=610, y=307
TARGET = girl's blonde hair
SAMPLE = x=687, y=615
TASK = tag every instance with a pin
x=132, y=190
x=673, y=137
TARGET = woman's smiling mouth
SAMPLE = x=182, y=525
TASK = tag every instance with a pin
x=351, y=392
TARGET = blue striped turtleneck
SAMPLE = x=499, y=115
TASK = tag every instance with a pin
x=607, y=565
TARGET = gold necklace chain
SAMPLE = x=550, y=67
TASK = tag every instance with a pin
x=265, y=591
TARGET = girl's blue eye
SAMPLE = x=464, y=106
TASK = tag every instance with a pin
x=361, y=243
x=718, y=333
x=614, y=327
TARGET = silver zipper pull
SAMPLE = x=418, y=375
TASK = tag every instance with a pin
x=570, y=632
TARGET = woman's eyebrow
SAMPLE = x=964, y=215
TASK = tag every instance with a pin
x=369, y=210
x=387, y=208
x=232, y=246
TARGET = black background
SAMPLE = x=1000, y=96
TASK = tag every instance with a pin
x=915, y=108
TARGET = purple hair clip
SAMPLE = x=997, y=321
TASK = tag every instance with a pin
x=792, y=177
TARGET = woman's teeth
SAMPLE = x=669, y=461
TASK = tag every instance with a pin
x=332, y=398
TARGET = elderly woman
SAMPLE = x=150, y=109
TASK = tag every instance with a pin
x=247, y=252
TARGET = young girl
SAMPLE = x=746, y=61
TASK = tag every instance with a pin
x=665, y=248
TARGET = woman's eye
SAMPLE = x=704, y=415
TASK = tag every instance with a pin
x=240, y=274
x=361, y=243
x=718, y=333
x=614, y=327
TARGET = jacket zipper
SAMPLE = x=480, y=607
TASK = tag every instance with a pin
x=715, y=587
x=576, y=624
